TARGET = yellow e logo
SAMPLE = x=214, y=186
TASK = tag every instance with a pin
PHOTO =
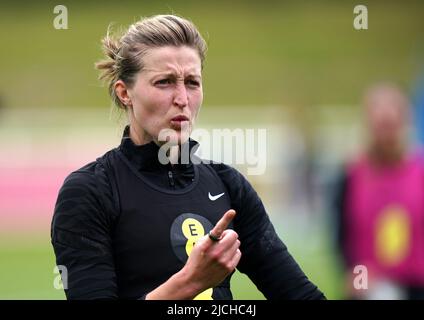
x=193, y=230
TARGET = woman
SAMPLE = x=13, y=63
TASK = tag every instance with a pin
x=129, y=226
x=379, y=204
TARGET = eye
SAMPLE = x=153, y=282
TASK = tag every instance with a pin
x=193, y=83
x=163, y=82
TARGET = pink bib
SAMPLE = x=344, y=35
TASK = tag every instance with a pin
x=385, y=218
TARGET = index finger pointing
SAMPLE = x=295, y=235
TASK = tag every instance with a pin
x=223, y=223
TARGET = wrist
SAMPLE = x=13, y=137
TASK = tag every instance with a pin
x=189, y=288
x=178, y=287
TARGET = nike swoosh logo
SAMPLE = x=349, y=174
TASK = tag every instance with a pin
x=213, y=198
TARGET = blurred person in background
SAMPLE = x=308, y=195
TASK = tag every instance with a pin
x=128, y=226
x=380, y=204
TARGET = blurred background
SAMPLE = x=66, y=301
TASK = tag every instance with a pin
x=295, y=68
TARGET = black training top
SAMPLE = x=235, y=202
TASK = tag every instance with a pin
x=125, y=223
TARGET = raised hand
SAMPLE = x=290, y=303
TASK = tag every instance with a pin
x=212, y=261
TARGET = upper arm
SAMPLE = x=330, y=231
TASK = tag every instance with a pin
x=265, y=258
x=81, y=237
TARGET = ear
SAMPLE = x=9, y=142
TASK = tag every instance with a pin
x=121, y=90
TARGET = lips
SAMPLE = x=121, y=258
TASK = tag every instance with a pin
x=179, y=122
x=179, y=118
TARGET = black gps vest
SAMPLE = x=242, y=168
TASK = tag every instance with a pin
x=157, y=227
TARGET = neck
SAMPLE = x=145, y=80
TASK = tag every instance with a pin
x=139, y=138
x=387, y=156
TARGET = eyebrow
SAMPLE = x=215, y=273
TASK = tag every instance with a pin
x=174, y=75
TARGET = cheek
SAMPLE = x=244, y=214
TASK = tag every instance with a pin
x=152, y=103
x=196, y=101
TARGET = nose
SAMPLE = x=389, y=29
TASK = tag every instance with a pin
x=180, y=97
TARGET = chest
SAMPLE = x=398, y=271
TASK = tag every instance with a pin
x=374, y=192
x=162, y=226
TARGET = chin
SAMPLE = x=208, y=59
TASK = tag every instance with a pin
x=180, y=138
x=175, y=137
x=183, y=139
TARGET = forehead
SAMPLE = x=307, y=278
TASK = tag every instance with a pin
x=179, y=60
x=386, y=103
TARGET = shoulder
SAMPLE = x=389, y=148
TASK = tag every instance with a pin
x=223, y=170
x=358, y=162
x=86, y=195
x=91, y=177
x=86, y=179
x=228, y=174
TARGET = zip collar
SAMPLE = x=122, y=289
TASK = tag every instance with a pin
x=145, y=157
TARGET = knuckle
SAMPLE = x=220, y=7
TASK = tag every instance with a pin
x=215, y=256
x=229, y=267
x=223, y=262
x=200, y=244
x=219, y=234
x=225, y=232
x=232, y=234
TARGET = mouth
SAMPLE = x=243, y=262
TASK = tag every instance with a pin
x=179, y=122
x=180, y=118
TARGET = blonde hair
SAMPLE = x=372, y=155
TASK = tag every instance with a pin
x=124, y=54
